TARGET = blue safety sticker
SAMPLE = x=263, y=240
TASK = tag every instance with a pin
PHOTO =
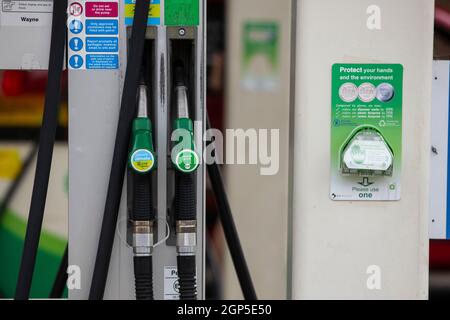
x=75, y=26
x=102, y=44
x=102, y=27
x=76, y=61
x=76, y=44
x=102, y=61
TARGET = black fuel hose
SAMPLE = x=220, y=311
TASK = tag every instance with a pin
x=230, y=231
x=142, y=210
x=46, y=143
x=185, y=202
x=143, y=277
x=142, y=198
x=61, y=278
x=187, y=277
x=185, y=209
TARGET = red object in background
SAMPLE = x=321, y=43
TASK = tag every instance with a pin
x=215, y=111
x=13, y=83
x=442, y=18
x=439, y=254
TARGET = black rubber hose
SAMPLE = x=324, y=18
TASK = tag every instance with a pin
x=61, y=278
x=185, y=209
x=46, y=142
x=10, y=193
x=185, y=202
x=142, y=206
x=142, y=210
x=187, y=277
x=118, y=165
x=230, y=231
x=143, y=275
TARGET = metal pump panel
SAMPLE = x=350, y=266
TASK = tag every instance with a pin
x=96, y=65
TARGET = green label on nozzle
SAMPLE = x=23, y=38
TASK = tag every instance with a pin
x=187, y=161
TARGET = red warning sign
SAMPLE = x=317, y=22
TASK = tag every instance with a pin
x=76, y=9
x=102, y=9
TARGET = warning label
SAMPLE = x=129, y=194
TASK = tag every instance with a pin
x=171, y=284
x=93, y=35
x=102, y=9
x=31, y=13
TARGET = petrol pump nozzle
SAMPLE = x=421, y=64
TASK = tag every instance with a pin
x=182, y=102
x=181, y=92
x=186, y=162
x=142, y=158
x=142, y=102
x=180, y=78
x=142, y=161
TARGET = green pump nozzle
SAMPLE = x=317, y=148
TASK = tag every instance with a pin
x=185, y=162
x=142, y=155
x=187, y=159
x=142, y=161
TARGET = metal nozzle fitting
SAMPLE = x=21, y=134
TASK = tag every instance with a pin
x=142, y=104
x=142, y=238
x=186, y=231
x=182, y=101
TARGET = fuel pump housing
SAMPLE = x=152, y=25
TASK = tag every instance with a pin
x=94, y=103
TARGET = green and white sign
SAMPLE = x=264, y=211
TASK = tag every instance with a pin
x=366, y=131
x=260, y=56
x=187, y=161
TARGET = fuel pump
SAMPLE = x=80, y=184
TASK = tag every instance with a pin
x=163, y=59
x=141, y=163
x=185, y=162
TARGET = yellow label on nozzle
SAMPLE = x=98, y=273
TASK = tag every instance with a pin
x=142, y=160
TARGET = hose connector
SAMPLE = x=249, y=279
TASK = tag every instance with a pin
x=186, y=231
x=142, y=238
